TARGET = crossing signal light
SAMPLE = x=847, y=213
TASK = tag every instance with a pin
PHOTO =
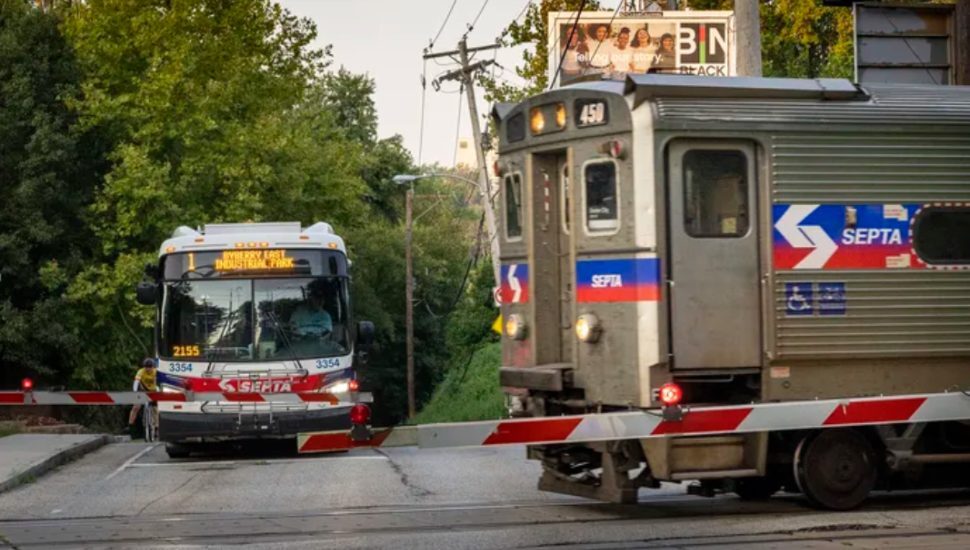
x=670, y=394
x=27, y=384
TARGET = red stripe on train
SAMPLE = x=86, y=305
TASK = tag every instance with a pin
x=534, y=431
x=872, y=412
x=704, y=421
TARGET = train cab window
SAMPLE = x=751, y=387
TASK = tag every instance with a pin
x=513, y=206
x=941, y=235
x=716, y=193
x=599, y=192
x=515, y=128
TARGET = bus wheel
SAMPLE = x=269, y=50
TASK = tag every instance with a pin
x=756, y=488
x=835, y=469
x=174, y=450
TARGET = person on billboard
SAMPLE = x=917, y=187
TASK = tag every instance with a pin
x=621, y=56
x=575, y=51
x=643, y=50
x=666, y=56
x=599, y=47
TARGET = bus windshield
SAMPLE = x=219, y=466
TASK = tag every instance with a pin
x=254, y=319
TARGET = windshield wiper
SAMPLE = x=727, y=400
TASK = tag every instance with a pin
x=286, y=341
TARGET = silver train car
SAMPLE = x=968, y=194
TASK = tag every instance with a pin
x=751, y=240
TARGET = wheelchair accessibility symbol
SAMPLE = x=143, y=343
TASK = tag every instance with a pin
x=799, y=299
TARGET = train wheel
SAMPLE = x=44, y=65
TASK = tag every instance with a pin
x=756, y=488
x=835, y=469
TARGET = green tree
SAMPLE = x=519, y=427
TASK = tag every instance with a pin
x=49, y=170
x=214, y=112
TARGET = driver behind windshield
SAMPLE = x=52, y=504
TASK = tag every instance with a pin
x=310, y=319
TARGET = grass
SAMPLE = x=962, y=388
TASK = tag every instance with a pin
x=10, y=428
x=468, y=393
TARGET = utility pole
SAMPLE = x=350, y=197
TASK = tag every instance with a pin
x=747, y=22
x=465, y=76
x=409, y=293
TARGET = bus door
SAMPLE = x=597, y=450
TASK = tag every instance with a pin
x=552, y=258
x=715, y=300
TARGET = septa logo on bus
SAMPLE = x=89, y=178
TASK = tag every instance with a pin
x=869, y=236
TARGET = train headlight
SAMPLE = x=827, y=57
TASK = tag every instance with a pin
x=588, y=328
x=515, y=327
x=560, y=115
x=537, y=120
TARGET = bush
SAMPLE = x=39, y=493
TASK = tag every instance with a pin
x=468, y=392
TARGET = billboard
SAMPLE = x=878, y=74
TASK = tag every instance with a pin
x=601, y=46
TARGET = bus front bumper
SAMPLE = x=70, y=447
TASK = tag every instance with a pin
x=201, y=425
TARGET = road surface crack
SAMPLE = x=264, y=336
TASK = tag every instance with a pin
x=175, y=490
x=414, y=489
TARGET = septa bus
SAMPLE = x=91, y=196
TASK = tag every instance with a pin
x=252, y=308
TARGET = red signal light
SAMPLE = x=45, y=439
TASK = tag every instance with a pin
x=670, y=394
x=353, y=385
x=27, y=384
x=359, y=414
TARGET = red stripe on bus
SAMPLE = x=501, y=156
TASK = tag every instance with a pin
x=12, y=398
x=532, y=431
x=704, y=422
x=319, y=398
x=873, y=412
x=91, y=397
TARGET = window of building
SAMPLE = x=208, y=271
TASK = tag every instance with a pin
x=513, y=206
x=715, y=193
x=941, y=235
x=602, y=203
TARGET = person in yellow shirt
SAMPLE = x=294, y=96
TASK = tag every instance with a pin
x=145, y=380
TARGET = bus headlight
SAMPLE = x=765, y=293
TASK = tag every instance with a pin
x=338, y=387
x=515, y=327
x=588, y=328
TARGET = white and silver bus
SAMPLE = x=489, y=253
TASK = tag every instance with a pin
x=252, y=308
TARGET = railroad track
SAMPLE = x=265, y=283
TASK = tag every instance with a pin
x=779, y=520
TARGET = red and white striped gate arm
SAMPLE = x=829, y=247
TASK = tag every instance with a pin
x=762, y=417
x=141, y=398
x=328, y=442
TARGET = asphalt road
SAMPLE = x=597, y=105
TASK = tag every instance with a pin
x=132, y=495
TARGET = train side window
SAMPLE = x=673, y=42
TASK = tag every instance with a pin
x=941, y=235
x=513, y=206
x=600, y=197
x=715, y=193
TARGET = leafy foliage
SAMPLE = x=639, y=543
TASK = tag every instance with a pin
x=470, y=391
x=49, y=170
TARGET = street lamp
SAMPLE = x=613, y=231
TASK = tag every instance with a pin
x=409, y=179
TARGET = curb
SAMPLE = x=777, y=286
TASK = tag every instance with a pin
x=67, y=455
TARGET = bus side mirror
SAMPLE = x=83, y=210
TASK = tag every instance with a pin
x=146, y=293
x=365, y=335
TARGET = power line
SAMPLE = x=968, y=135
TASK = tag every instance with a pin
x=424, y=94
x=474, y=21
x=609, y=26
x=505, y=31
x=443, y=23
x=572, y=32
